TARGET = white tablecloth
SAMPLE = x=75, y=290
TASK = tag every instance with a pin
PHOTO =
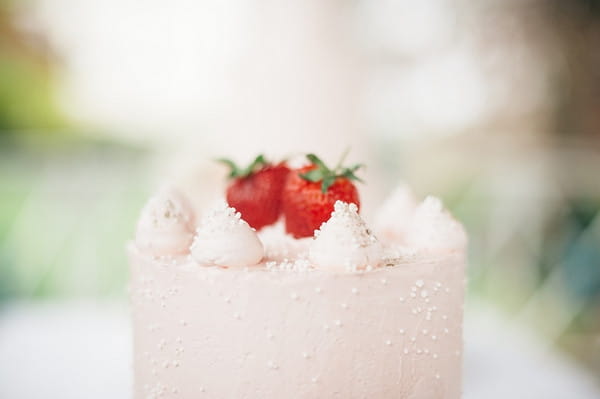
x=83, y=350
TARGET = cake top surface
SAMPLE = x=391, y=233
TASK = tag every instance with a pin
x=305, y=219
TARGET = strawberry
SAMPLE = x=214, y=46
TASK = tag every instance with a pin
x=255, y=191
x=310, y=193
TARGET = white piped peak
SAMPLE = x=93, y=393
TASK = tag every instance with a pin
x=344, y=242
x=433, y=227
x=166, y=224
x=395, y=216
x=223, y=238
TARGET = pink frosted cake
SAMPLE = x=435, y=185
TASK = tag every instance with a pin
x=223, y=311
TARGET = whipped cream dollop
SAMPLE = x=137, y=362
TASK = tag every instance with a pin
x=166, y=224
x=433, y=227
x=223, y=238
x=395, y=215
x=280, y=246
x=344, y=242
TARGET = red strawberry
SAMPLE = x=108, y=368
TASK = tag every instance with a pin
x=310, y=193
x=255, y=191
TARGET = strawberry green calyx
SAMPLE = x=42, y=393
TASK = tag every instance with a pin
x=328, y=176
x=237, y=172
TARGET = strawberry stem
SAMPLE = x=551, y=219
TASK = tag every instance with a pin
x=342, y=158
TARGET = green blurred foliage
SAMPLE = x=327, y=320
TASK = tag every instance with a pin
x=26, y=97
x=65, y=215
x=27, y=84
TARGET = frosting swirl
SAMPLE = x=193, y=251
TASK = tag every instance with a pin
x=344, y=242
x=166, y=224
x=433, y=227
x=395, y=216
x=223, y=238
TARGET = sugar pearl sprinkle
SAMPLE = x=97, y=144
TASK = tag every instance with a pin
x=297, y=266
x=221, y=219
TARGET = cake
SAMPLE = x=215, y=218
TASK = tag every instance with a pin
x=221, y=310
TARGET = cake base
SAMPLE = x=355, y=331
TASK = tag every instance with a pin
x=394, y=332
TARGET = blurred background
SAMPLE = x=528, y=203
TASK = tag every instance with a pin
x=492, y=105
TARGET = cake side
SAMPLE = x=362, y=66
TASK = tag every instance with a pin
x=292, y=295
x=392, y=332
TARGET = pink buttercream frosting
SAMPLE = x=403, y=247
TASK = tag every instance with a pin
x=394, y=332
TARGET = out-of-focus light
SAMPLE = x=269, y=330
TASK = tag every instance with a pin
x=447, y=93
x=439, y=95
x=140, y=66
x=406, y=27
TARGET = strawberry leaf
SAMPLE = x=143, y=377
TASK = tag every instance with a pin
x=328, y=176
x=234, y=170
x=237, y=172
x=327, y=182
x=258, y=162
x=349, y=173
x=314, y=175
x=317, y=161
